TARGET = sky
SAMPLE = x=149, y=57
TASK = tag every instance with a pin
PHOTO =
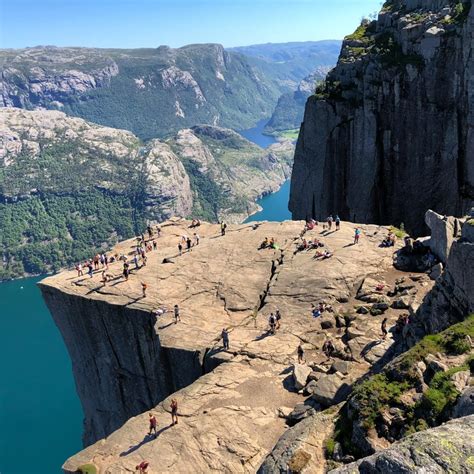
x=151, y=23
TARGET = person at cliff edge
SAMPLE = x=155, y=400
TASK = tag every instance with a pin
x=174, y=411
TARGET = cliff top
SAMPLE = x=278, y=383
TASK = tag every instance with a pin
x=230, y=418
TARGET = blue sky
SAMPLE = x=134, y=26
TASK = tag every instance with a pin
x=150, y=23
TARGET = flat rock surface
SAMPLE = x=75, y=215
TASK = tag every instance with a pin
x=231, y=418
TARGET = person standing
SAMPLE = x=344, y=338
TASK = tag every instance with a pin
x=176, y=314
x=223, y=228
x=356, y=235
x=338, y=222
x=152, y=421
x=300, y=351
x=144, y=287
x=174, y=411
x=225, y=339
x=330, y=221
x=154, y=245
x=188, y=244
x=278, y=318
x=196, y=238
x=180, y=249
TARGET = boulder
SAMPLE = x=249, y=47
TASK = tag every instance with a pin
x=342, y=366
x=300, y=375
x=435, y=451
x=402, y=303
x=443, y=232
x=467, y=231
x=302, y=411
x=362, y=310
x=465, y=404
x=310, y=387
x=434, y=365
x=330, y=389
x=436, y=271
x=327, y=323
x=367, y=291
x=460, y=379
x=314, y=376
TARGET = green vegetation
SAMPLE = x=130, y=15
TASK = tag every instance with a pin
x=87, y=469
x=329, y=446
x=382, y=391
x=398, y=231
x=44, y=233
x=289, y=134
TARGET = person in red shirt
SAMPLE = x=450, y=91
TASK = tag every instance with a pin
x=152, y=420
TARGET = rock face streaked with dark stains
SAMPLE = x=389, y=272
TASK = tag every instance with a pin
x=390, y=133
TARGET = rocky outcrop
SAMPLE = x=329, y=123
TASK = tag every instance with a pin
x=447, y=448
x=67, y=170
x=228, y=422
x=396, y=108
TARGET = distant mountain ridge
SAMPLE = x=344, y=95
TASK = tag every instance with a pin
x=154, y=92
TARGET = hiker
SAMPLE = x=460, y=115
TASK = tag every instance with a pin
x=180, y=249
x=176, y=314
x=223, y=228
x=196, y=239
x=356, y=235
x=300, y=351
x=152, y=421
x=188, y=244
x=155, y=245
x=79, y=269
x=328, y=348
x=174, y=411
x=144, y=287
x=158, y=231
x=135, y=261
x=105, y=277
x=96, y=261
x=144, y=259
x=330, y=221
x=272, y=323
x=338, y=222
x=126, y=270
x=225, y=338
x=383, y=327
x=150, y=231
x=272, y=243
x=264, y=244
x=142, y=467
x=408, y=244
x=90, y=271
x=277, y=318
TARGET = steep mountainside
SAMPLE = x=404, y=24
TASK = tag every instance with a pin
x=289, y=111
x=151, y=92
x=389, y=134
x=289, y=63
x=68, y=186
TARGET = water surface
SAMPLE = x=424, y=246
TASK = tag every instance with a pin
x=255, y=135
x=40, y=414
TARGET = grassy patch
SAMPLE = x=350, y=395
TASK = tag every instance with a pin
x=398, y=231
x=289, y=134
x=299, y=461
x=87, y=469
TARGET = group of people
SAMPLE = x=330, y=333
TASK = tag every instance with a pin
x=317, y=311
x=274, y=321
x=268, y=244
x=389, y=241
x=187, y=243
x=309, y=245
x=332, y=220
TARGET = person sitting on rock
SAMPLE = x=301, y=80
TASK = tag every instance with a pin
x=272, y=243
x=142, y=467
x=328, y=348
x=264, y=244
x=315, y=311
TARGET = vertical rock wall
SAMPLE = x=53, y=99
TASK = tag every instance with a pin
x=389, y=135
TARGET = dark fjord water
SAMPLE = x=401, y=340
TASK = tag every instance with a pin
x=40, y=414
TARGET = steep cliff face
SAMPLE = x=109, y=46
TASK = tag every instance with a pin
x=389, y=134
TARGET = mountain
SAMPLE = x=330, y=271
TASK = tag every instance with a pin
x=290, y=63
x=389, y=134
x=69, y=187
x=289, y=111
x=151, y=92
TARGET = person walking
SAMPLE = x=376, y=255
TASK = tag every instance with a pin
x=223, y=228
x=272, y=323
x=180, y=249
x=278, y=318
x=174, y=411
x=300, y=351
x=90, y=271
x=338, y=222
x=188, y=244
x=196, y=238
x=144, y=287
x=152, y=421
x=383, y=328
x=176, y=314
x=225, y=339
